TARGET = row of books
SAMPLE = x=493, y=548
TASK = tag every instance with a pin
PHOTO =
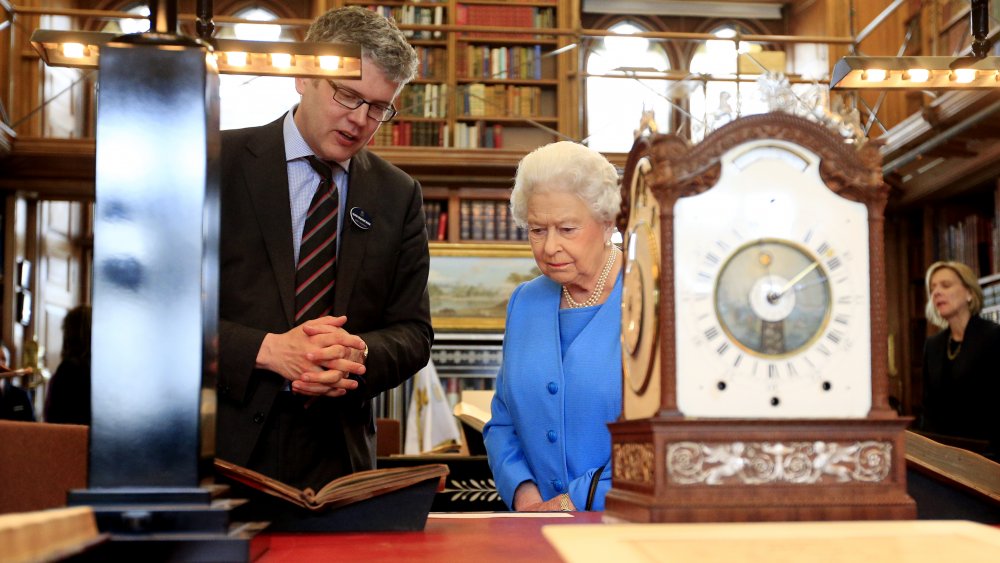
x=499, y=62
x=991, y=295
x=424, y=100
x=478, y=99
x=488, y=220
x=991, y=314
x=503, y=16
x=478, y=135
x=414, y=15
x=412, y=134
x=433, y=62
x=974, y=241
x=436, y=216
x=482, y=220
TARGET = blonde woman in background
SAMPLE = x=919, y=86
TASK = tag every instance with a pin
x=961, y=371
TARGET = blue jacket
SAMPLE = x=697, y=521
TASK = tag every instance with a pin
x=550, y=414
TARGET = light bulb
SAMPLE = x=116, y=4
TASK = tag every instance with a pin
x=329, y=62
x=918, y=74
x=236, y=58
x=874, y=75
x=281, y=60
x=73, y=50
x=964, y=75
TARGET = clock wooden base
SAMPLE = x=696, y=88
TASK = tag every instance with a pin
x=728, y=470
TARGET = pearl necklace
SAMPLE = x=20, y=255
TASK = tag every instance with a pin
x=595, y=296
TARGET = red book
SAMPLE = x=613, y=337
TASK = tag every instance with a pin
x=442, y=233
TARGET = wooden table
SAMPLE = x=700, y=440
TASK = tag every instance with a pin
x=476, y=540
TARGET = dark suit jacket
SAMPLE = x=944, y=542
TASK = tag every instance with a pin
x=381, y=286
x=15, y=403
x=962, y=396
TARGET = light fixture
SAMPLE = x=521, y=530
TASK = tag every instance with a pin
x=78, y=49
x=81, y=49
x=926, y=73
x=283, y=58
x=923, y=73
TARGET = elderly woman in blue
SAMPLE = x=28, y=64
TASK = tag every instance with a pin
x=560, y=382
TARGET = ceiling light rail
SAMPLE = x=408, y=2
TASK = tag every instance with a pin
x=916, y=73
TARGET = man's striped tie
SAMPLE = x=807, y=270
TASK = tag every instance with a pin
x=315, y=273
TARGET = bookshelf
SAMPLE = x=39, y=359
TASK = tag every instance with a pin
x=991, y=297
x=506, y=83
x=962, y=226
x=479, y=89
x=482, y=99
x=481, y=215
x=965, y=230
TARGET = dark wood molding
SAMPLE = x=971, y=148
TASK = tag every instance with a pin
x=7, y=136
x=65, y=167
x=50, y=167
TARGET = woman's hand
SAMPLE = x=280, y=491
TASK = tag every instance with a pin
x=527, y=497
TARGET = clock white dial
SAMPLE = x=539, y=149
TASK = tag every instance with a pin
x=772, y=292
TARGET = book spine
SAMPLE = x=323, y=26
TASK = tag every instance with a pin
x=465, y=220
x=442, y=226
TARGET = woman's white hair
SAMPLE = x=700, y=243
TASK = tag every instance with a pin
x=570, y=168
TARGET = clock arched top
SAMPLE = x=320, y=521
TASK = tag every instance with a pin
x=681, y=169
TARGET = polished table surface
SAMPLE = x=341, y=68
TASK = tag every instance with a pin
x=462, y=538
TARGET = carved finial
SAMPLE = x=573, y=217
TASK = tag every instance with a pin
x=646, y=123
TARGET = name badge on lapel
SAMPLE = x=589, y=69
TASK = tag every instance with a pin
x=361, y=218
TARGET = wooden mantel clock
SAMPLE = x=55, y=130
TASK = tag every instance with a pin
x=754, y=331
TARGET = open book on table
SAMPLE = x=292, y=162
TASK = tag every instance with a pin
x=342, y=491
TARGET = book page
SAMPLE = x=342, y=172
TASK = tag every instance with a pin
x=367, y=484
x=474, y=408
x=264, y=483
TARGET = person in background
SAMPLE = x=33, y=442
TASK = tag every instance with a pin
x=68, y=397
x=961, y=379
x=323, y=299
x=560, y=383
x=15, y=403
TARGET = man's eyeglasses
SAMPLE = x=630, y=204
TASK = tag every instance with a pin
x=350, y=100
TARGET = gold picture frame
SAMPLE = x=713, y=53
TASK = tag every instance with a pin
x=470, y=284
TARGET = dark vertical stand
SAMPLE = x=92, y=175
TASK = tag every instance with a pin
x=155, y=306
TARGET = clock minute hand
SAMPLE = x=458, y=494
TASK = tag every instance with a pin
x=774, y=296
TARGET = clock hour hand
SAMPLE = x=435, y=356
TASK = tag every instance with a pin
x=774, y=296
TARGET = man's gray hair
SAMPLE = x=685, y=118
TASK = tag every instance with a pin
x=382, y=43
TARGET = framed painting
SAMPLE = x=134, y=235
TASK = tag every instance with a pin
x=470, y=284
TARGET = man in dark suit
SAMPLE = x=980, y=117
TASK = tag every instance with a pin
x=301, y=359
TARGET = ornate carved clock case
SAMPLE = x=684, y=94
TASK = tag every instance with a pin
x=754, y=331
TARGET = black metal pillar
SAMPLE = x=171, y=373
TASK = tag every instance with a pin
x=155, y=304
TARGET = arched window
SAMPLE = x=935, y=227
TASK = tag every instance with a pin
x=254, y=100
x=720, y=101
x=615, y=105
x=130, y=25
x=244, y=100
